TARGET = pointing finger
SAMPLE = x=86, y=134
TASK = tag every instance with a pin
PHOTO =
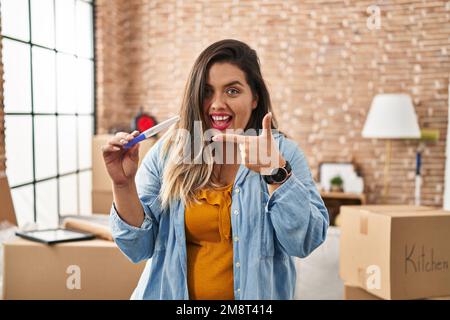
x=229, y=137
x=267, y=124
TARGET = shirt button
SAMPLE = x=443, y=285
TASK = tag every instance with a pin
x=238, y=264
x=239, y=290
x=236, y=238
x=237, y=190
x=236, y=212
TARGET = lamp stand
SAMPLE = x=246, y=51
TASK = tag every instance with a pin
x=387, y=163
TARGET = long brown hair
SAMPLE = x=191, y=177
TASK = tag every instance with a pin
x=183, y=180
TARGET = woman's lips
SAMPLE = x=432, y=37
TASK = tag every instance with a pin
x=221, y=122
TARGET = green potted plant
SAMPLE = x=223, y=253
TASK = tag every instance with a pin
x=337, y=184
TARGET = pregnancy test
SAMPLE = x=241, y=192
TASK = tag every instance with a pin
x=152, y=131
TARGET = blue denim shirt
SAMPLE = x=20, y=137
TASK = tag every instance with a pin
x=267, y=231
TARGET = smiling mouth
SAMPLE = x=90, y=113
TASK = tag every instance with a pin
x=221, y=122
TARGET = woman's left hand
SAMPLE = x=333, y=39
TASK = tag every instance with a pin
x=258, y=153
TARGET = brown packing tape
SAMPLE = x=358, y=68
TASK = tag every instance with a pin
x=364, y=230
x=364, y=225
x=361, y=277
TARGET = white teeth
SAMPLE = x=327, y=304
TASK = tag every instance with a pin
x=220, y=118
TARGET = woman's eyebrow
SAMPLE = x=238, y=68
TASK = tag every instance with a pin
x=233, y=83
x=228, y=84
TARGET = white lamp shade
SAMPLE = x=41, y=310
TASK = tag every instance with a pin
x=391, y=116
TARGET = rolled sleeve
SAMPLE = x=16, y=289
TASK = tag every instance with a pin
x=135, y=242
x=118, y=225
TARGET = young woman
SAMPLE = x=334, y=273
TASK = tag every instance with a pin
x=217, y=229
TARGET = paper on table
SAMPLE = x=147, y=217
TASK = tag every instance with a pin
x=100, y=230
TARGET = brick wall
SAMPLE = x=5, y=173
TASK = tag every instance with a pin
x=2, y=117
x=322, y=64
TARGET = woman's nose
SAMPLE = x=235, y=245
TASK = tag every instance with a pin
x=218, y=102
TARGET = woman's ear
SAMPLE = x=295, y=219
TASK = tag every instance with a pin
x=255, y=102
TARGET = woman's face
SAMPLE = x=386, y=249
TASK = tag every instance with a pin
x=229, y=100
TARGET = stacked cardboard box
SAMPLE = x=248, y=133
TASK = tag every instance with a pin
x=396, y=252
x=94, y=269
x=102, y=196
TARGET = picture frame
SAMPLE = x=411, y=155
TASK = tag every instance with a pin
x=345, y=170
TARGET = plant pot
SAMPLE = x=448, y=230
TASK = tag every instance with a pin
x=336, y=188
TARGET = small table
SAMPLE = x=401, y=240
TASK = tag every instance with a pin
x=334, y=200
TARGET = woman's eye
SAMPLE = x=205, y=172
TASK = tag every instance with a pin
x=232, y=91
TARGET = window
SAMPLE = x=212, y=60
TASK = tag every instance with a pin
x=48, y=61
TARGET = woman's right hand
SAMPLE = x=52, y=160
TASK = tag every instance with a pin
x=121, y=163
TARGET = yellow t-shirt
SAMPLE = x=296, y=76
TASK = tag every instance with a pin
x=209, y=245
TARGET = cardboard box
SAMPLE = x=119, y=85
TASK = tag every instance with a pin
x=356, y=293
x=7, y=208
x=94, y=269
x=101, y=182
x=102, y=201
x=396, y=252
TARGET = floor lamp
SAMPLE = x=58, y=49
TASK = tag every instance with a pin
x=391, y=116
